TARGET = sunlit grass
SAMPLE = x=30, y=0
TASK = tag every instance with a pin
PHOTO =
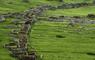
x=83, y=11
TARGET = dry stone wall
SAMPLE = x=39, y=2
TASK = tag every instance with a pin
x=74, y=5
x=19, y=47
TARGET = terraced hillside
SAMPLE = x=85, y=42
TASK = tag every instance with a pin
x=58, y=34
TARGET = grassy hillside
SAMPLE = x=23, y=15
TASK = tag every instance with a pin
x=5, y=38
x=72, y=45
x=77, y=1
x=18, y=5
x=83, y=11
x=51, y=40
x=7, y=6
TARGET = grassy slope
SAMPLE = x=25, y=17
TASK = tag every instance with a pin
x=77, y=1
x=13, y=6
x=73, y=46
x=18, y=5
x=4, y=38
x=83, y=11
x=44, y=34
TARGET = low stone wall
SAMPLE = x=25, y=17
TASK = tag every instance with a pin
x=19, y=47
x=74, y=5
x=71, y=20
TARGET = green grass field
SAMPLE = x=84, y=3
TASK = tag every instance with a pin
x=7, y=6
x=74, y=43
x=4, y=39
x=73, y=46
x=77, y=1
x=19, y=6
x=83, y=11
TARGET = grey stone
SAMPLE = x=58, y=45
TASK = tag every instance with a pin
x=91, y=15
x=2, y=19
x=57, y=19
x=16, y=21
